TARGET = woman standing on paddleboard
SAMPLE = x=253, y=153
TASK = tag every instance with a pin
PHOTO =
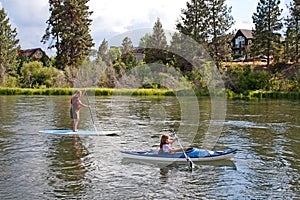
x=76, y=104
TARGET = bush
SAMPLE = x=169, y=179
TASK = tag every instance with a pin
x=35, y=75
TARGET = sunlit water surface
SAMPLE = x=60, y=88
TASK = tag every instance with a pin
x=44, y=166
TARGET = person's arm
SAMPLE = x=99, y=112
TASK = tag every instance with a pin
x=172, y=141
x=82, y=104
x=173, y=150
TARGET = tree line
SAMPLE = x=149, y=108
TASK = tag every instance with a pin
x=201, y=41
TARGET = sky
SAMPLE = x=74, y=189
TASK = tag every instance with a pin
x=114, y=18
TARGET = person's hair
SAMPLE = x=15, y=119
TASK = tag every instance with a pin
x=163, y=140
x=77, y=92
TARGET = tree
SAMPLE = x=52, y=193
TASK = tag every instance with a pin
x=156, y=45
x=220, y=21
x=9, y=47
x=68, y=26
x=267, y=21
x=193, y=22
x=103, y=54
x=292, y=33
x=34, y=74
x=145, y=40
x=128, y=56
x=207, y=22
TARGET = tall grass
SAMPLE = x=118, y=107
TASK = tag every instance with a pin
x=151, y=92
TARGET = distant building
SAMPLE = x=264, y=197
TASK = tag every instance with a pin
x=36, y=54
x=241, y=41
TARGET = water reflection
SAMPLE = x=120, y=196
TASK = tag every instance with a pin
x=67, y=168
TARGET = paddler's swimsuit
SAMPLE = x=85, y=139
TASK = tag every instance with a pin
x=75, y=106
x=166, y=148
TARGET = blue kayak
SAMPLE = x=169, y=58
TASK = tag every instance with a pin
x=195, y=154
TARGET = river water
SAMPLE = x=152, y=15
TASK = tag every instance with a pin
x=43, y=166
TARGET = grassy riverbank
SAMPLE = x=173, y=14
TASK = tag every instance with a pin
x=149, y=92
x=95, y=91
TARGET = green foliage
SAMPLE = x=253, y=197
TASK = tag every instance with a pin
x=12, y=82
x=103, y=53
x=242, y=79
x=292, y=40
x=267, y=23
x=68, y=26
x=156, y=45
x=9, y=47
x=192, y=23
x=207, y=22
x=128, y=57
x=31, y=91
x=34, y=74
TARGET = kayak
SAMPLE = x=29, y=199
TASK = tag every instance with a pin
x=195, y=154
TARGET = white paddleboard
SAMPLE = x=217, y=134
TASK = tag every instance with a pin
x=80, y=132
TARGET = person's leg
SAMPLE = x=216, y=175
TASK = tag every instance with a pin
x=76, y=120
x=75, y=124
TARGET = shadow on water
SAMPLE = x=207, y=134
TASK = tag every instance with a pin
x=165, y=167
x=67, y=168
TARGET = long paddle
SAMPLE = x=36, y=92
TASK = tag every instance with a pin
x=90, y=111
x=188, y=159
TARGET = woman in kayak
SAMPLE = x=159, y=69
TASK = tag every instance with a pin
x=75, y=107
x=166, y=145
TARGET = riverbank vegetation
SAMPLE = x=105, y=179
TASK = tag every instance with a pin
x=256, y=94
x=158, y=66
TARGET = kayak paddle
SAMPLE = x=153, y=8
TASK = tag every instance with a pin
x=188, y=159
x=90, y=111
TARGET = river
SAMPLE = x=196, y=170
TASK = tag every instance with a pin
x=44, y=166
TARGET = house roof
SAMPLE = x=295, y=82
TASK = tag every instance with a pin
x=30, y=52
x=35, y=54
x=247, y=33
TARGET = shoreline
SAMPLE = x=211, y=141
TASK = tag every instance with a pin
x=248, y=95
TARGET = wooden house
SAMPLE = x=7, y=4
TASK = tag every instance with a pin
x=36, y=54
x=241, y=41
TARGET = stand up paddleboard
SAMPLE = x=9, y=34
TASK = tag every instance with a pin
x=80, y=132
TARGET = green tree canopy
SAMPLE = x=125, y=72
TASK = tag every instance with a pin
x=9, y=47
x=267, y=23
x=207, y=22
x=68, y=32
x=103, y=53
x=156, y=44
x=292, y=33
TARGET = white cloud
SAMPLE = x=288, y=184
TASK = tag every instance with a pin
x=29, y=19
x=113, y=17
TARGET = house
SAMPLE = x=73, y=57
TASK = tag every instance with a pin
x=36, y=54
x=240, y=42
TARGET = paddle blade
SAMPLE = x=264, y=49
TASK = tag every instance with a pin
x=190, y=163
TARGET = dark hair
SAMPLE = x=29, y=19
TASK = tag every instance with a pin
x=163, y=140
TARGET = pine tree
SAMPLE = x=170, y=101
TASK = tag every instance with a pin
x=293, y=33
x=102, y=53
x=158, y=38
x=207, y=22
x=220, y=21
x=267, y=21
x=128, y=56
x=181, y=52
x=145, y=40
x=193, y=22
x=68, y=26
x=127, y=45
x=156, y=45
x=9, y=47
